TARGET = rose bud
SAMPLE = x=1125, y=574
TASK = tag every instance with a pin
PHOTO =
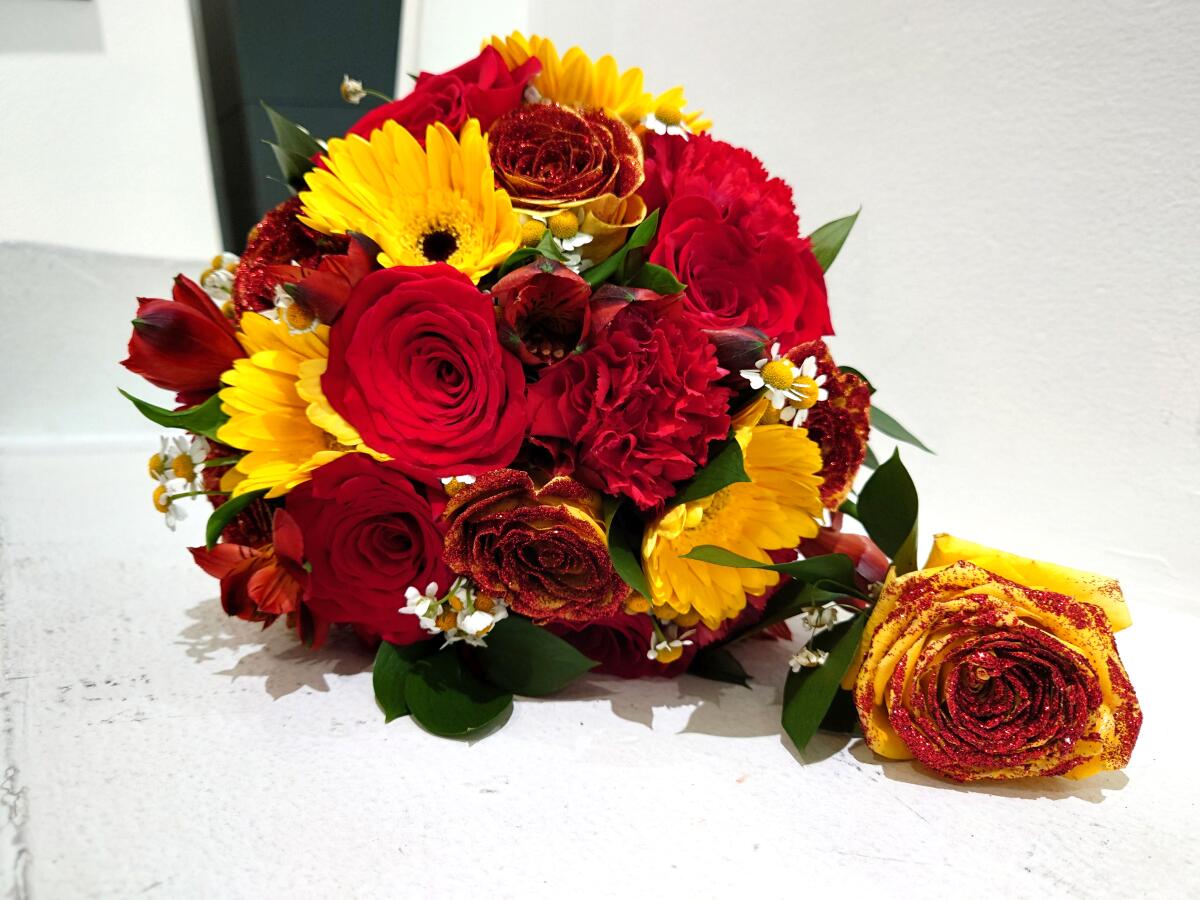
x=840, y=424
x=737, y=348
x=543, y=311
x=259, y=584
x=182, y=344
x=325, y=290
x=549, y=157
x=543, y=551
x=988, y=665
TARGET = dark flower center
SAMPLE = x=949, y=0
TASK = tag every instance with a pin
x=439, y=246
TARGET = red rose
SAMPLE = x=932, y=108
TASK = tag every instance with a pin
x=278, y=239
x=368, y=535
x=543, y=311
x=840, y=424
x=482, y=89
x=636, y=411
x=182, y=344
x=550, y=156
x=416, y=366
x=543, y=550
x=730, y=233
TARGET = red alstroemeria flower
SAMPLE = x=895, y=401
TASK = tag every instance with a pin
x=325, y=290
x=259, y=584
x=182, y=344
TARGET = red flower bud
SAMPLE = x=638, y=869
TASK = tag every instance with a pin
x=182, y=344
x=544, y=311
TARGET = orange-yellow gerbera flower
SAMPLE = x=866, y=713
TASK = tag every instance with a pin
x=277, y=411
x=574, y=80
x=439, y=203
x=779, y=506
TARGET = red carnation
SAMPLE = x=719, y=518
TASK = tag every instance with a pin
x=730, y=233
x=368, y=535
x=543, y=311
x=416, y=366
x=840, y=424
x=482, y=89
x=182, y=344
x=636, y=411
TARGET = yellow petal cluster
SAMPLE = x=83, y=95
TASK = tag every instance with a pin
x=437, y=203
x=277, y=411
x=574, y=80
x=779, y=506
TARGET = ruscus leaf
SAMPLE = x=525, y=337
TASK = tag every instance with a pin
x=447, y=700
x=809, y=693
x=204, y=419
x=726, y=467
x=226, y=513
x=718, y=664
x=529, y=660
x=881, y=421
x=887, y=508
x=828, y=239
x=393, y=663
x=625, y=530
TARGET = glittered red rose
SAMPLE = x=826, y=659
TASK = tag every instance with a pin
x=416, y=366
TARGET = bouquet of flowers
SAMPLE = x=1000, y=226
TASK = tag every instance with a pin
x=529, y=378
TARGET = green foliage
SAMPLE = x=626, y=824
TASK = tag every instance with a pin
x=226, y=513
x=446, y=699
x=809, y=693
x=828, y=239
x=393, y=664
x=727, y=466
x=625, y=529
x=204, y=419
x=526, y=659
x=887, y=508
x=625, y=264
x=716, y=663
x=293, y=146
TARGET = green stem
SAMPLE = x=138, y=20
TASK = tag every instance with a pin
x=374, y=93
x=222, y=461
x=171, y=497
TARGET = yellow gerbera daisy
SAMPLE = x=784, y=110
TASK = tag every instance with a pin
x=277, y=411
x=574, y=80
x=421, y=205
x=778, y=507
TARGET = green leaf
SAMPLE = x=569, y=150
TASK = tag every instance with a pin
x=718, y=664
x=829, y=569
x=523, y=256
x=828, y=239
x=659, y=279
x=870, y=461
x=393, y=663
x=449, y=701
x=809, y=693
x=727, y=467
x=850, y=508
x=623, y=265
x=528, y=660
x=294, y=147
x=887, y=507
x=625, y=529
x=889, y=426
x=204, y=419
x=226, y=513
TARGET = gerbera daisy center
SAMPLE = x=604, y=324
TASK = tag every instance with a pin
x=439, y=245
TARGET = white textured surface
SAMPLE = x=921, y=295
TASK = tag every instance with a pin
x=1021, y=287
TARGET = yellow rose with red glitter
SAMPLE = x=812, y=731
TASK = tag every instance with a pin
x=989, y=665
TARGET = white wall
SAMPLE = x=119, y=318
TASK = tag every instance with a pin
x=102, y=128
x=1023, y=282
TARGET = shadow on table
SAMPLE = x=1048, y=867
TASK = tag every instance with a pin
x=284, y=663
x=1091, y=790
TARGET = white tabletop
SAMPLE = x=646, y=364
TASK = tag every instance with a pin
x=151, y=746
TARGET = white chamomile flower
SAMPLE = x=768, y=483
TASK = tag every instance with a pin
x=666, y=120
x=352, y=90
x=564, y=228
x=792, y=390
x=532, y=95
x=667, y=643
x=166, y=503
x=298, y=317
x=461, y=615
x=819, y=617
x=185, y=461
x=217, y=279
x=808, y=658
x=455, y=483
